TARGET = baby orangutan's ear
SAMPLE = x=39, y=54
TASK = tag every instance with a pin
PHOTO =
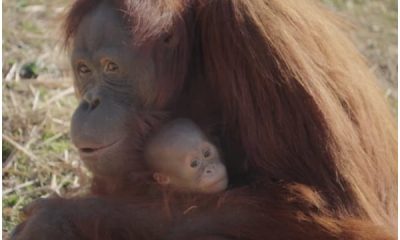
x=161, y=178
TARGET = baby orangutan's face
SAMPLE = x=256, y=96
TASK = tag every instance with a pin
x=187, y=161
x=196, y=169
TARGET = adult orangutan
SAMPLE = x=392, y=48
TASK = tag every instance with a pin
x=309, y=143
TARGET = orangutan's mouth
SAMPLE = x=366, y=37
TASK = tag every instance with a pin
x=87, y=151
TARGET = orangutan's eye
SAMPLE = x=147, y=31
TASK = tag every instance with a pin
x=194, y=164
x=83, y=69
x=111, y=67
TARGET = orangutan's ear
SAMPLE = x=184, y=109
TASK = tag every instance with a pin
x=161, y=179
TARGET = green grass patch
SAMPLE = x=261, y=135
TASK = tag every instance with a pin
x=6, y=150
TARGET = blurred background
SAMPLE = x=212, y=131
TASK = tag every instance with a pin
x=38, y=98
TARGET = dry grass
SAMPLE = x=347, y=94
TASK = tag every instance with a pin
x=38, y=159
x=375, y=32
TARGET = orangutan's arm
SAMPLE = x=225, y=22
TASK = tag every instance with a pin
x=231, y=216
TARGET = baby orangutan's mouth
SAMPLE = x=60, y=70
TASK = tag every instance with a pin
x=217, y=183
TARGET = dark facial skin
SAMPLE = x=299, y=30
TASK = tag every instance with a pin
x=183, y=158
x=115, y=81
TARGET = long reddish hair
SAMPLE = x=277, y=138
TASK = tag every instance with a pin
x=306, y=104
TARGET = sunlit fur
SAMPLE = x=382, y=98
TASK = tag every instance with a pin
x=291, y=88
x=305, y=103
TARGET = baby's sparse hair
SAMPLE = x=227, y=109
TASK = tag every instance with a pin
x=167, y=135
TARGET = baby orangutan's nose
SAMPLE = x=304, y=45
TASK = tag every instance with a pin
x=210, y=169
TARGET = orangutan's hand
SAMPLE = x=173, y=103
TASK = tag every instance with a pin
x=45, y=219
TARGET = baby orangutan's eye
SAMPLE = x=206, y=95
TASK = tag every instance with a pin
x=206, y=153
x=194, y=164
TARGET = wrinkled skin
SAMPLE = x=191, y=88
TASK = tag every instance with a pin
x=115, y=81
x=182, y=157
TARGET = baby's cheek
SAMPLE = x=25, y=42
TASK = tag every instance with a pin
x=195, y=184
x=186, y=183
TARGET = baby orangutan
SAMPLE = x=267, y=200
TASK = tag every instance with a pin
x=182, y=157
